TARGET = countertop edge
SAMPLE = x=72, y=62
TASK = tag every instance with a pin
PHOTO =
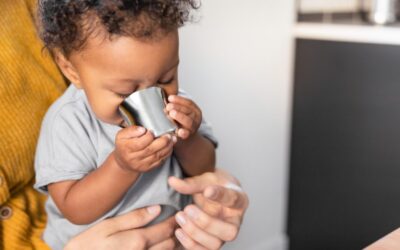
x=357, y=33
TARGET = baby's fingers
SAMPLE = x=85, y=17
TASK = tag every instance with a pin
x=183, y=119
x=180, y=108
x=130, y=132
x=183, y=133
x=165, y=141
x=156, y=159
x=181, y=100
x=140, y=143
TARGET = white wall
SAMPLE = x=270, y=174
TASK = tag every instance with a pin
x=236, y=63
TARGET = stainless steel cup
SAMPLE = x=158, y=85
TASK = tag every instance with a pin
x=146, y=108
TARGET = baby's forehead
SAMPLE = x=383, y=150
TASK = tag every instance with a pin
x=125, y=55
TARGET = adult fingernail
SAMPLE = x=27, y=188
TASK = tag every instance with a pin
x=169, y=137
x=180, y=235
x=171, y=98
x=180, y=219
x=174, y=139
x=153, y=209
x=192, y=212
x=173, y=113
x=210, y=193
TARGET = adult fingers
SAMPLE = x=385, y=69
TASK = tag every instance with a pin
x=215, y=227
x=131, y=220
x=193, y=185
x=168, y=244
x=142, y=238
x=160, y=232
x=197, y=234
x=227, y=197
x=187, y=242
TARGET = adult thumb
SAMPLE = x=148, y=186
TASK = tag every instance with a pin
x=134, y=219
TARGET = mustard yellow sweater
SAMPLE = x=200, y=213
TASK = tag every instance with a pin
x=29, y=83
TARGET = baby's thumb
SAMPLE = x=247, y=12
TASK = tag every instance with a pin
x=132, y=132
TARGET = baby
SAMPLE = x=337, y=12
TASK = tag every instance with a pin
x=92, y=165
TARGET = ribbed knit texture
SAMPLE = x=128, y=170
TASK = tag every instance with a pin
x=29, y=83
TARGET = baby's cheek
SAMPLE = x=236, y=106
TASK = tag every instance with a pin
x=111, y=113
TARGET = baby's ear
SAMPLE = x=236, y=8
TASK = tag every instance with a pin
x=67, y=69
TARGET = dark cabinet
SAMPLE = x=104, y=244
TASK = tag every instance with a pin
x=345, y=149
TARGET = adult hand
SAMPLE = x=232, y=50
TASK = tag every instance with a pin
x=128, y=232
x=218, y=212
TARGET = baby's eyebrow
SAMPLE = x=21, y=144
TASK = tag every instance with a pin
x=121, y=84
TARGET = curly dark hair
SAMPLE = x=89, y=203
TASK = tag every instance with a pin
x=66, y=24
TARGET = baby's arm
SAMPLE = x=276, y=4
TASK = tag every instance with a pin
x=195, y=153
x=84, y=201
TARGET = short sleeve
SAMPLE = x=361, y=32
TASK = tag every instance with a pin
x=205, y=128
x=66, y=147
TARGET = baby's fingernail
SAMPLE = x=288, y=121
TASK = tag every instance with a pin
x=192, y=212
x=153, y=209
x=169, y=107
x=180, y=219
x=141, y=129
x=181, y=133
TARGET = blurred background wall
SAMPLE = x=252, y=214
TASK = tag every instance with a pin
x=236, y=63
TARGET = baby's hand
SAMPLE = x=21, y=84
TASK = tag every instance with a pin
x=186, y=113
x=137, y=149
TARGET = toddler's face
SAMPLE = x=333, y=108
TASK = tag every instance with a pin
x=110, y=70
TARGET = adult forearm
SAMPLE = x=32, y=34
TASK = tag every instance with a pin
x=98, y=192
x=196, y=155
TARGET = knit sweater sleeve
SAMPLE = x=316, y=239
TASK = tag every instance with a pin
x=29, y=83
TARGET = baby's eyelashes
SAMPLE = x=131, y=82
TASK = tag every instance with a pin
x=123, y=96
x=166, y=82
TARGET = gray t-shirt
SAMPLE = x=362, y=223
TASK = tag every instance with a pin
x=73, y=142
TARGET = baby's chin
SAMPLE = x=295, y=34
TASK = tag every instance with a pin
x=118, y=121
